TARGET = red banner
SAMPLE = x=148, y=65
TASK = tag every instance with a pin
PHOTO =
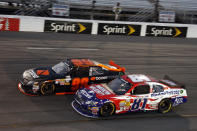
x=9, y=24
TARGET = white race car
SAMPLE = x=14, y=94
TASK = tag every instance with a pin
x=129, y=93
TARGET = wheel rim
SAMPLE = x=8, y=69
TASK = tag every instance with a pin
x=47, y=89
x=165, y=106
x=107, y=109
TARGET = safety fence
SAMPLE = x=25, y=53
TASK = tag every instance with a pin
x=78, y=26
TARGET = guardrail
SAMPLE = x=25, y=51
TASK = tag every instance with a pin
x=78, y=26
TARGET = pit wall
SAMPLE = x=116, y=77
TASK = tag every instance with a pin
x=78, y=26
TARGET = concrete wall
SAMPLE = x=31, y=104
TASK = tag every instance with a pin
x=36, y=24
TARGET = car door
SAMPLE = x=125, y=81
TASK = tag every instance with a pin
x=97, y=74
x=82, y=72
x=139, y=96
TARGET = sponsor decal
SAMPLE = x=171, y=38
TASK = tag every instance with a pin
x=95, y=110
x=124, y=105
x=177, y=101
x=166, y=31
x=67, y=27
x=100, y=90
x=101, y=78
x=181, y=91
x=63, y=81
x=119, y=29
x=86, y=94
x=9, y=24
x=174, y=92
x=42, y=72
x=35, y=88
x=32, y=73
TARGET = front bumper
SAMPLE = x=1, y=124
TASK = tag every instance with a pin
x=84, y=111
x=27, y=90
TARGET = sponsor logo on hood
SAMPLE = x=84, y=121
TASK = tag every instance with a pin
x=98, y=89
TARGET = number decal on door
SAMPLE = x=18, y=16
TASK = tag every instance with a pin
x=77, y=82
x=139, y=104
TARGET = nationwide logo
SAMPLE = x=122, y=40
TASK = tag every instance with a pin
x=67, y=27
x=165, y=31
x=119, y=29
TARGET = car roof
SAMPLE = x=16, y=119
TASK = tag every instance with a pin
x=83, y=62
x=88, y=62
x=139, y=78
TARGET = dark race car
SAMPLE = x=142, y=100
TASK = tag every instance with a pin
x=67, y=76
x=129, y=93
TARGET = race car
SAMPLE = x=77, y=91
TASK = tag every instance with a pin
x=129, y=93
x=67, y=76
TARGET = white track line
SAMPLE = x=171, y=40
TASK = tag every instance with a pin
x=46, y=48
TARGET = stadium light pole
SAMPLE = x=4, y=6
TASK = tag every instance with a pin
x=156, y=13
x=92, y=10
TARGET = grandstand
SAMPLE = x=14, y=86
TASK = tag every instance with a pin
x=132, y=10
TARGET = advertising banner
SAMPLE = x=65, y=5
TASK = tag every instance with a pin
x=9, y=24
x=60, y=10
x=67, y=27
x=166, y=16
x=166, y=31
x=119, y=29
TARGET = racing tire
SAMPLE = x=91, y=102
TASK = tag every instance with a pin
x=165, y=106
x=107, y=109
x=47, y=89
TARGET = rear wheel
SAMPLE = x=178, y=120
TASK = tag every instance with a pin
x=107, y=109
x=165, y=106
x=47, y=88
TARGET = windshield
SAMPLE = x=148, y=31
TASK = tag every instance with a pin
x=119, y=86
x=61, y=68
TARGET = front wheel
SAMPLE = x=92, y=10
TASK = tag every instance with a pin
x=47, y=88
x=107, y=109
x=165, y=106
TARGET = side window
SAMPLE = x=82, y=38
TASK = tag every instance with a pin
x=82, y=72
x=141, y=89
x=96, y=71
x=157, y=88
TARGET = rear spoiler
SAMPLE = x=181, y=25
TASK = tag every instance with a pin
x=115, y=65
x=112, y=63
x=172, y=83
x=122, y=69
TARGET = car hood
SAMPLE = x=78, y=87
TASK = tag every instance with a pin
x=101, y=91
x=45, y=73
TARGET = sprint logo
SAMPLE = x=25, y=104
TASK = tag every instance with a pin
x=67, y=27
x=118, y=29
x=164, y=31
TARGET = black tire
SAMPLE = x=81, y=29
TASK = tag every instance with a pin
x=165, y=106
x=107, y=109
x=47, y=89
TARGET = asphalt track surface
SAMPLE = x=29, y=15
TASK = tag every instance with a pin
x=153, y=56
